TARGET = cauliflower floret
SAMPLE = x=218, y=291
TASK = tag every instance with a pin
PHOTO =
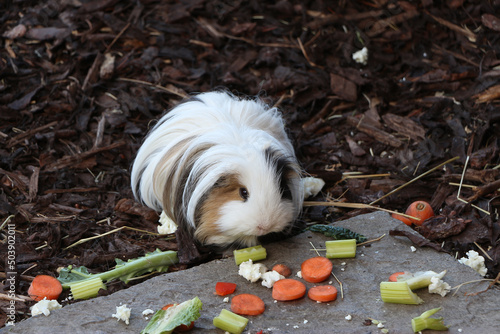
x=270, y=277
x=44, y=307
x=312, y=186
x=122, y=313
x=439, y=286
x=361, y=56
x=475, y=261
x=252, y=272
x=167, y=225
x=147, y=312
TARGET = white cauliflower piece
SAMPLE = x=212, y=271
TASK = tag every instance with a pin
x=312, y=186
x=147, y=312
x=252, y=272
x=44, y=307
x=475, y=261
x=361, y=56
x=122, y=313
x=167, y=225
x=270, y=277
x=439, y=286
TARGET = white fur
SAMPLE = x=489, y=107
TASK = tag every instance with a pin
x=217, y=134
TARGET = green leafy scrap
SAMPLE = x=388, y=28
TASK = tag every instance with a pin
x=336, y=232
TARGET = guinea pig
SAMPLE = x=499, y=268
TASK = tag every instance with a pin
x=222, y=168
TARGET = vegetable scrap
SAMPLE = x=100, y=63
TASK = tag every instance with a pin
x=230, y=322
x=44, y=307
x=339, y=249
x=288, y=289
x=44, y=287
x=180, y=328
x=423, y=322
x=86, y=285
x=122, y=313
x=247, y=304
x=171, y=316
x=255, y=253
x=224, y=288
x=475, y=261
x=336, y=232
x=282, y=270
x=418, y=209
x=323, y=293
x=316, y=269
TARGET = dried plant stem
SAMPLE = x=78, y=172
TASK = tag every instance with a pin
x=355, y=206
x=415, y=179
x=81, y=241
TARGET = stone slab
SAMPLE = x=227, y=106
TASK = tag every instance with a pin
x=360, y=277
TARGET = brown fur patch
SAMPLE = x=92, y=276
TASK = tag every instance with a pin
x=226, y=190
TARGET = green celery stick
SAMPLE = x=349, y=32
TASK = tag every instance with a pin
x=230, y=322
x=398, y=293
x=254, y=253
x=336, y=249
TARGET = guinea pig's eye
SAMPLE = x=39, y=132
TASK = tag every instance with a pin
x=244, y=193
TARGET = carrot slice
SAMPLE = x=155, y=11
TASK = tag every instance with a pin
x=180, y=328
x=44, y=286
x=323, y=293
x=224, y=288
x=394, y=277
x=282, y=270
x=316, y=269
x=247, y=304
x=288, y=289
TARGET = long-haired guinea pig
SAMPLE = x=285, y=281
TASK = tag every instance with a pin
x=222, y=168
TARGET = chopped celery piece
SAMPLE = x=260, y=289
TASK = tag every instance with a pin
x=424, y=322
x=230, y=322
x=423, y=279
x=87, y=289
x=398, y=293
x=336, y=249
x=254, y=253
x=165, y=321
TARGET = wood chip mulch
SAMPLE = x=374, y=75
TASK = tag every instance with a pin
x=82, y=81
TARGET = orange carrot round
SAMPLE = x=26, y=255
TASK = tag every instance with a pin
x=288, y=289
x=44, y=286
x=316, y=269
x=394, y=277
x=247, y=304
x=282, y=270
x=224, y=288
x=419, y=209
x=323, y=293
x=404, y=219
x=180, y=328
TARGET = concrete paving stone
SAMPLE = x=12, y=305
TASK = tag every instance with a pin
x=360, y=277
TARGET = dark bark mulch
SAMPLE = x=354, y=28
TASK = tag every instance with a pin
x=81, y=81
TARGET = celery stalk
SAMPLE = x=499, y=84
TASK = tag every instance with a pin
x=398, y=293
x=424, y=322
x=124, y=271
x=87, y=289
x=230, y=322
x=336, y=249
x=254, y=253
x=423, y=279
